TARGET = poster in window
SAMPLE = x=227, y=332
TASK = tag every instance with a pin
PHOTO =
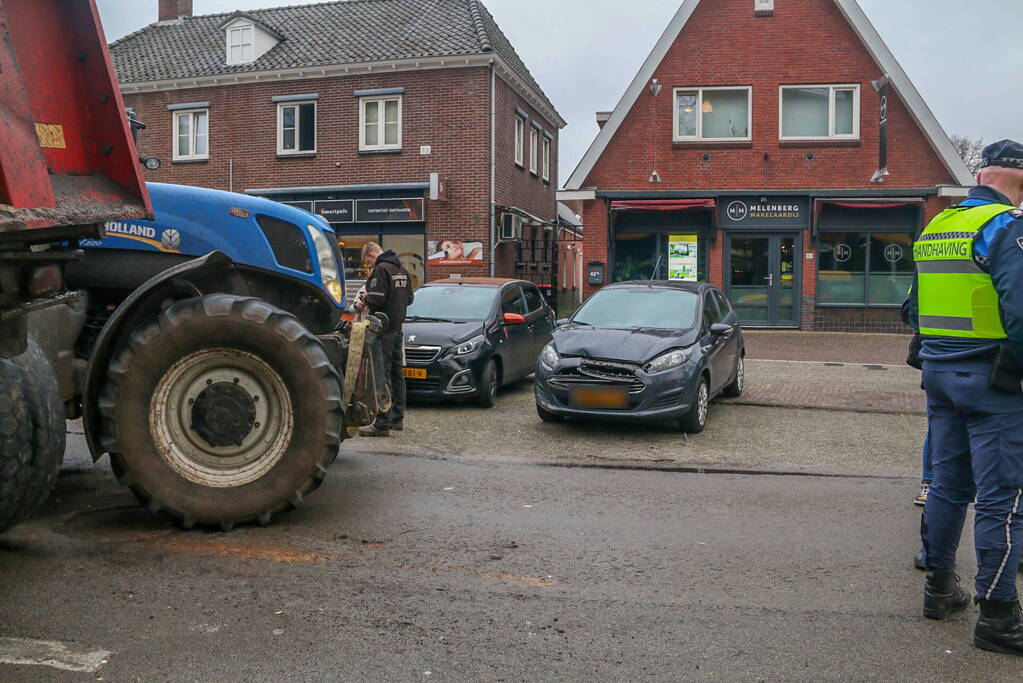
x=455, y=253
x=682, y=257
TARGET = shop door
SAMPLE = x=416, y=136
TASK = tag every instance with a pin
x=763, y=279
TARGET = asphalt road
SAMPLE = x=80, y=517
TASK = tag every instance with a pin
x=412, y=569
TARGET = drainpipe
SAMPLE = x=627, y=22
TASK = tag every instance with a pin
x=493, y=166
x=230, y=175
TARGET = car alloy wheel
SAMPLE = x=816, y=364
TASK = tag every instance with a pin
x=702, y=404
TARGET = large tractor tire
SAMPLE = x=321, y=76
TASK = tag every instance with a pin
x=221, y=411
x=33, y=434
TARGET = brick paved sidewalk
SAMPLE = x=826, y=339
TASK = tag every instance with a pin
x=837, y=347
x=834, y=386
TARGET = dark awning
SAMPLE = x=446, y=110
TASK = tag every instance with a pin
x=869, y=204
x=663, y=204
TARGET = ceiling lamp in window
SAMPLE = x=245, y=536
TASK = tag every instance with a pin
x=708, y=108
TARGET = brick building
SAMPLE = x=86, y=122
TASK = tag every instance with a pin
x=407, y=122
x=749, y=151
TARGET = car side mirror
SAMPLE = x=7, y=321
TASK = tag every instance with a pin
x=720, y=329
x=562, y=321
x=514, y=319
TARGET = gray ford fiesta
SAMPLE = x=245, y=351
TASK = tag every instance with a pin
x=643, y=350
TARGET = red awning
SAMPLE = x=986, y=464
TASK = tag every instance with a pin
x=869, y=203
x=663, y=205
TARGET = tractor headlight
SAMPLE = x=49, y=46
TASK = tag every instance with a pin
x=549, y=356
x=467, y=347
x=668, y=361
x=328, y=264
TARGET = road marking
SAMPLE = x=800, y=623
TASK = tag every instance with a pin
x=52, y=653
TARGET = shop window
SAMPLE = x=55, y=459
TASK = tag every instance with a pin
x=380, y=123
x=660, y=256
x=296, y=128
x=820, y=112
x=864, y=268
x=713, y=114
x=410, y=250
x=191, y=135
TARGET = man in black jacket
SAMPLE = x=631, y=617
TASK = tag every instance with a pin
x=389, y=291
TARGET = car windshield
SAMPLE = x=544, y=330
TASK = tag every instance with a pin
x=457, y=303
x=650, y=307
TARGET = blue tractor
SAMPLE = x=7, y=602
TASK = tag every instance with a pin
x=208, y=356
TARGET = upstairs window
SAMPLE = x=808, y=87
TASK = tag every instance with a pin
x=520, y=141
x=713, y=114
x=296, y=128
x=820, y=112
x=380, y=123
x=546, y=159
x=191, y=135
x=240, y=48
x=533, y=138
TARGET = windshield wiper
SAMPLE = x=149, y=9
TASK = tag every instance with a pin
x=429, y=319
x=580, y=322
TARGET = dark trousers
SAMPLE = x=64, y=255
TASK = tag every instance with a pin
x=976, y=439
x=392, y=345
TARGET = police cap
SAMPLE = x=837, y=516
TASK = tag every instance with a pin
x=1007, y=153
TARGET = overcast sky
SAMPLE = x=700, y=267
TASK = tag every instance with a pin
x=965, y=57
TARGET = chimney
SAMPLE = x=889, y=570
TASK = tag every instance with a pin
x=172, y=10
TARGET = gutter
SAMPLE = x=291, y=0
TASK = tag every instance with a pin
x=493, y=166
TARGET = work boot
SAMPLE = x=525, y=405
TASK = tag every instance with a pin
x=373, y=430
x=397, y=426
x=942, y=594
x=921, y=498
x=999, y=628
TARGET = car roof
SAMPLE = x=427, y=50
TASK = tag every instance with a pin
x=478, y=281
x=694, y=287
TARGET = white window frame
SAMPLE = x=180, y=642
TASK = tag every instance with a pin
x=699, y=120
x=381, y=126
x=298, y=125
x=534, y=139
x=855, y=87
x=546, y=158
x=251, y=44
x=191, y=156
x=520, y=141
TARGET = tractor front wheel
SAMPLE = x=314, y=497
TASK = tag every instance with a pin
x=223, y=410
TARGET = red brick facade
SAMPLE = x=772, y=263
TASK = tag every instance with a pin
x=725, y=44
x=447, y=110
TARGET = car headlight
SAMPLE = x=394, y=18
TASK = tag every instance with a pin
x=670, y=360
x=549, y=356
x=467, y=347
x=328, y=264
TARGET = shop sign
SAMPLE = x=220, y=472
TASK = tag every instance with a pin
x=772, y=212
x=389, y=210
x=893, y=253
x=842, y=252
x=336, y=210
x=308, y=206
x=682, y=257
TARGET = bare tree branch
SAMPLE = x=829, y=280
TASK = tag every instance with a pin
x=970, y=150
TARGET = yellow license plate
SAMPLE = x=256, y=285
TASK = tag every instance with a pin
x=600, y=398
x=415, y=373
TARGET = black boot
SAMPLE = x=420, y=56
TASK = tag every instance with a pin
x=999, y=628
x=942, y=595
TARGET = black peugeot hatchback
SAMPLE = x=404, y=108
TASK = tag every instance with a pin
x=643, y=350
x=466, y=337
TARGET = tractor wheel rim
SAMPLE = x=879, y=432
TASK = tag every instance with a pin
x=221, y=417
x=702, y=402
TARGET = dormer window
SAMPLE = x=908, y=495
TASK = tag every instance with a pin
x=240, y=44
x=247, y=39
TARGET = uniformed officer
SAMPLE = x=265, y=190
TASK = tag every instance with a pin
x=967, y=302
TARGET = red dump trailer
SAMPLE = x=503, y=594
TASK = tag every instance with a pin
x=68, y=165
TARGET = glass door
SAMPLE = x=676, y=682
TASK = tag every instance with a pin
x=763, y=282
